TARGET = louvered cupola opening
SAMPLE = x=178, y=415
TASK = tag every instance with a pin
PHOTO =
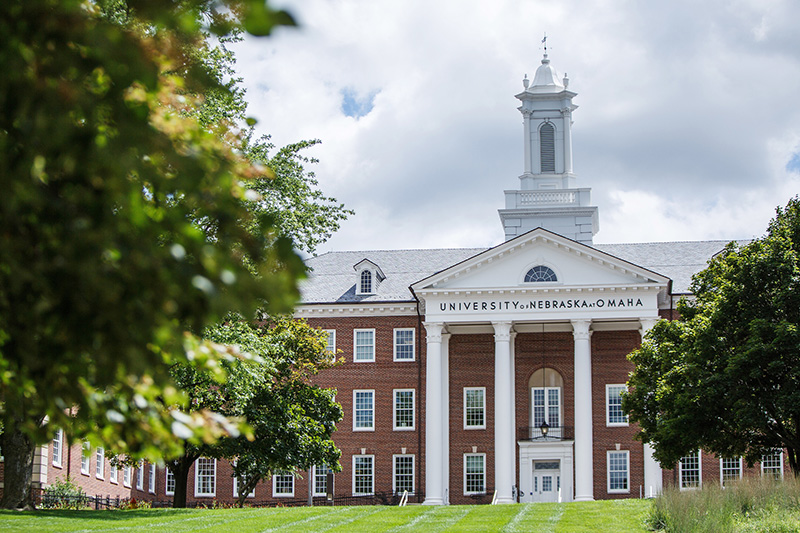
x=547, y=154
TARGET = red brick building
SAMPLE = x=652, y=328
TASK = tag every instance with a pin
x=474, y=373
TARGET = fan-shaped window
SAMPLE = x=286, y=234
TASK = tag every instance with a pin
x=366, y=282
x=547, y=147
x=540, y=273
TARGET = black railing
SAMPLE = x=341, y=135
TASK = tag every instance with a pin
x=553, y=433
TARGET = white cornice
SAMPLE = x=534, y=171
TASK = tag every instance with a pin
x=355, y=309
x=541, y=290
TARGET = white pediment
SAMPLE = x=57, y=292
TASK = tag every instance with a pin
x=504, y=267
x=589, y=282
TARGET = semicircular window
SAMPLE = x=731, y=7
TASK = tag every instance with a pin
x=540, y=273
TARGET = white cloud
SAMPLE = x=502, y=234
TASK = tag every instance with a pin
x=688, y=111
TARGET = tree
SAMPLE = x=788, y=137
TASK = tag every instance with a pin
x=726, y=376
x=104, y=274
x=290, y=420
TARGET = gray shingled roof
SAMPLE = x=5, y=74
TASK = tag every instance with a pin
x=333, y=280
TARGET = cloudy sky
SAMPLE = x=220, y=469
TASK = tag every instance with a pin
x=688, y=124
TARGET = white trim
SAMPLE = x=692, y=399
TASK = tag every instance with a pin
x=330, y=345
x=722, y=471
x=372, y=474
x=413, y=425
x=466, y=492
x=627, y=455
x=608, y=406
x=126, y=476
x=86, y=458
x=58, y=447
x=314, y=481
x=167, y=475
x=140, y=477
x=212, y=477
x=151, y=481
x=779, y=453
x=275, y=493
x=464, y=407
x=355, y=411
x=100, y=463
x=699, y=472
x=394, y=472
x=413, y=344
x=355, y=345
x=328, y=310
x=113, y=475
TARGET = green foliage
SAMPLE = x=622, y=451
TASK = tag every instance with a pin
x=104, y=273
x=289, y=420
x=64, y=494
x=726, y=377
x=752, y=504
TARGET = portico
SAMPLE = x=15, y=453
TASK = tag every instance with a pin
x=591, y=291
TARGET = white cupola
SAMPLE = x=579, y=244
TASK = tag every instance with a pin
x=547, y=196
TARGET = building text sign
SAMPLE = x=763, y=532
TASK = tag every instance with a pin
x=541, y=304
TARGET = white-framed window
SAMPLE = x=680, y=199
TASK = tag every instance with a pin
x=365, y=282
x=404, y=344
x=86, y=459
x=151, y=481
x=236, y=489
x=364, y=345
x=690, y=471
x=100, y=462
x=618, y=464
x=330, y=345
x=772, y=465
x=283, y=485
x=363, y=410
x=730, y=470
x=321, y=480
x=140, y=477
x=403, y=473
x=547, y=406
x=615, y=416
x=363, y=475
x=113, y=475
x=126, y=476
x=58, y=447
x=403, y=409
x=169, y=482
x=474, y=473
x=205, y=477
x=474, y=407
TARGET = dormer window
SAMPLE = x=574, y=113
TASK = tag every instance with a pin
x=366, y=282
x=540, y=273
x=369, y=277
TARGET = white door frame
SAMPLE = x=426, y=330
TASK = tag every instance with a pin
x=530, y=451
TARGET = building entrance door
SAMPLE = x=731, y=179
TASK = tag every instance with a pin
x=546, y=481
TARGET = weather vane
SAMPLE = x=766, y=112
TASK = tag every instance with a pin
x=544, y=42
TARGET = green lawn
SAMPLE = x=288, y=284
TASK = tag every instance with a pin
x=617, y=516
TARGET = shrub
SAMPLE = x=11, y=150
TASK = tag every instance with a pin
x=64, y=494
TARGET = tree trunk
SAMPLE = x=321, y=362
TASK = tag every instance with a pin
x=180, y=469
x=245, y=489
x=18, y=449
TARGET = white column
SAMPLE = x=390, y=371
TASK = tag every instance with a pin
x=652, y=470
x=567, y=114
x=512, y=448
x=434, y=484
x=446, y=417
x=503, y=423
x=527, y=122
x=584, y=465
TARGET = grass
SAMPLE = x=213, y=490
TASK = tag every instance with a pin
x=750, y=505
x=614, y=515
